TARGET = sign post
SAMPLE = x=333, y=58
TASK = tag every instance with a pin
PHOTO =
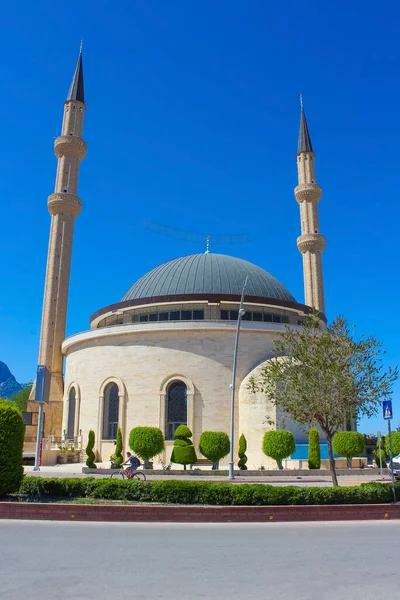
x=380, y=453
x=388, y=416
x=42, y=397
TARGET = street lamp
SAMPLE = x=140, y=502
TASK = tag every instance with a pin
x=241, y=314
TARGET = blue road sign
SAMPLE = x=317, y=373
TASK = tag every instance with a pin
x=387, y=410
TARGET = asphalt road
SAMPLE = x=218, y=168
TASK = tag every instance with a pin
x=306, y=561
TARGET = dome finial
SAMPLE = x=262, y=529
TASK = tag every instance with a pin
x=208, y=243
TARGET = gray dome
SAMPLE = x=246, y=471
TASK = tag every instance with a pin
x=207, y=274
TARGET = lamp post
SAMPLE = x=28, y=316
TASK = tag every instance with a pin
x=241, y=314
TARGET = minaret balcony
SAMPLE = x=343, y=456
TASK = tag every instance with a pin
x=308, y=192
x=62, y=202
x=69, y=145
x=311, y=242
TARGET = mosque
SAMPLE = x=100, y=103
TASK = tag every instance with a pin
x=162, y=354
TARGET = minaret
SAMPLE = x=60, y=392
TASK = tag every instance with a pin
x=310, y=243
x=64, y=205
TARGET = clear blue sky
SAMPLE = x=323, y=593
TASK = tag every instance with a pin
x=192, y=120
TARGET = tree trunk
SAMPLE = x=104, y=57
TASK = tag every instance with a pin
x=349, y=461
x=279, y=463
x=331, y=460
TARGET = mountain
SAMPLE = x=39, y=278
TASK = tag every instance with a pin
x=8, y=384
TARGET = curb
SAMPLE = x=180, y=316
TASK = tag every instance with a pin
x=198, y=514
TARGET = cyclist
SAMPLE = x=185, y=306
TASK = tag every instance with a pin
x=134, y=464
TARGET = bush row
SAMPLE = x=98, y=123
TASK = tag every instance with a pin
x=204, y=492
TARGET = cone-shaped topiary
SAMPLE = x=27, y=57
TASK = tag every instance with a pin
x=89, y=451
x=11, y=445
x=214, y=445
x=314, y=453
x=349, y=444
x=183, y=452
x=146, y=442
x=117, y=457
x=242, y=453
x=278, y=445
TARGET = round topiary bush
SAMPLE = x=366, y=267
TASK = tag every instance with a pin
x=89, y=450
x=242, y=453
x=314, y=453
x=278, y=444
x=395, y=443
x=183, y=452
x=12, y=432
x=146, y=442
x=214, y=445
x=349, y=444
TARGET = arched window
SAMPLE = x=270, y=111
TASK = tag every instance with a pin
x=71, y=414
x=110, y=412
x=176, y=413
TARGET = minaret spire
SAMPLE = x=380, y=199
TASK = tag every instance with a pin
x=308, y=193
x=64, y=206
x=76, y=90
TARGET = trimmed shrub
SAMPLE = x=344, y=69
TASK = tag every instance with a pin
x=183, y=452
x=204, y=492
x=377, y=457
x=278, y=444
x=146, y=442
x=117, y=458
x=314, y=453
x=89, y=450
x=214, y=445
x=395, y=443
x=349, y=444
x=242, y=453
x=12, y=432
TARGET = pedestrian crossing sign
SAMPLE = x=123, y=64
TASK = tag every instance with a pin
x=387, y=410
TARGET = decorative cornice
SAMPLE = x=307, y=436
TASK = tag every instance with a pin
x=66, y=145
x=311, y=242
x=62, y=202
x=308, y=192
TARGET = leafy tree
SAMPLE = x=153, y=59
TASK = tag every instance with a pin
x=11, y=446
x=242, y=453
x=395, y=443
x=214, y=445
x=89, y=451
x=183, y=452
x=323, y=376
x=377, y=457
x=117, y=457
x=314, y=452
x=278, y=444
x=20, y=398
x=146, y=442
x=349, y=444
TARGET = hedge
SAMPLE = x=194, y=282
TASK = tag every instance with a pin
x=204, y=492
x=11, y=445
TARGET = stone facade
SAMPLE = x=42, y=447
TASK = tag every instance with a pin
x=144, y=358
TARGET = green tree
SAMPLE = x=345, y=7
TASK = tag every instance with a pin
x=117, y=457
x=314, y=452
x=12, y=432
x=278, y=444
x=20, y=398
x=242, y=453
x=323, y=376
x=377, y=457
x=395, y=443
x=349, y=444
x=183, y=452
x=214, y=445
x=89, y=450
x=146, y=442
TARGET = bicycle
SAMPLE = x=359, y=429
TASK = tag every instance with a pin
x=120, y=474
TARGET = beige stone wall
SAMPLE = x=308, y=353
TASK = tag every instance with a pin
x=144, y=361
